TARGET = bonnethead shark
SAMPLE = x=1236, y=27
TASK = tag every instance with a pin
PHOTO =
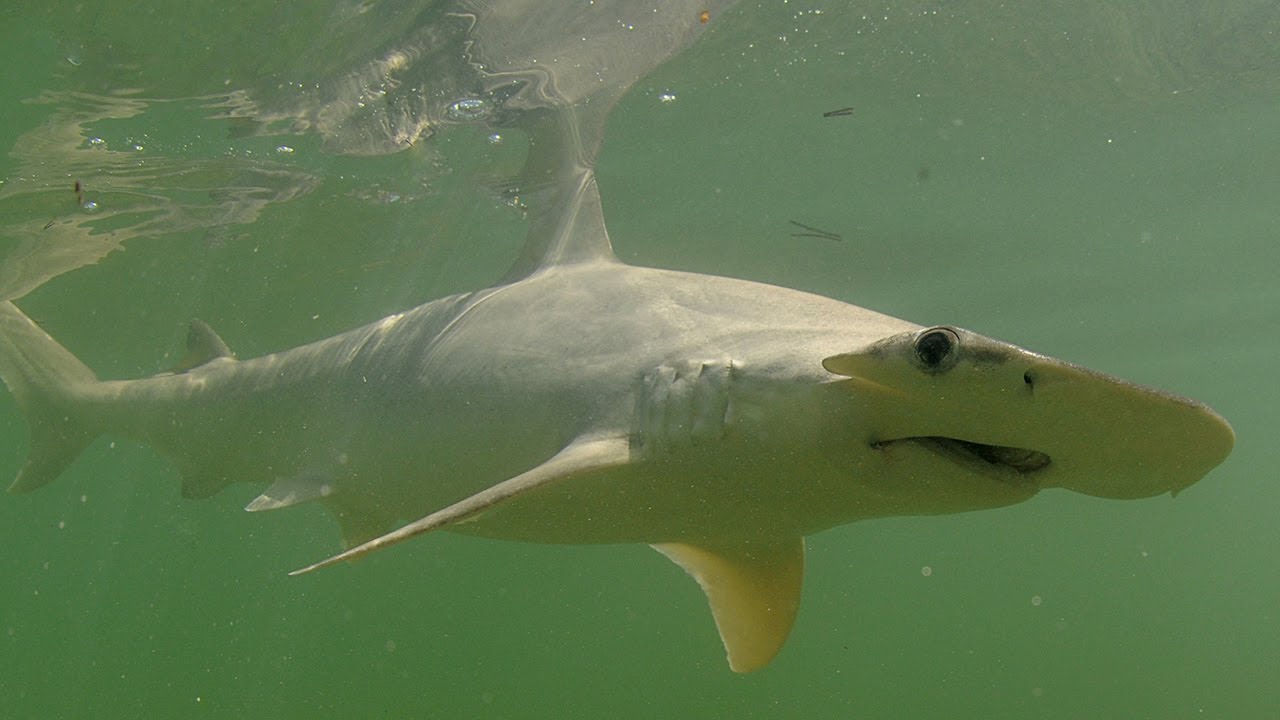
x=718, y=420
x=584, y=400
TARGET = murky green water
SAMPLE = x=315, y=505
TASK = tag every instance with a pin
x=1097, y=183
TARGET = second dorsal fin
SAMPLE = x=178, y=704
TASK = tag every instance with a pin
x=203, y=346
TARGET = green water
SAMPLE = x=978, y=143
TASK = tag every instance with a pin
x=1098, y=183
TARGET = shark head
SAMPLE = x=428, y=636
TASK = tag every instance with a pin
x=949, y=401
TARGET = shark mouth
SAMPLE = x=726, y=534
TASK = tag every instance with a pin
x=1023, y=461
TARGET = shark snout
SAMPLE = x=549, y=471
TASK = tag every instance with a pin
x=1115, y=439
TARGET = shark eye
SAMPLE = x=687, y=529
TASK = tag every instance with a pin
x=934, y=347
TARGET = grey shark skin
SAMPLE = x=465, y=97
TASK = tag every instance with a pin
x=719, y=420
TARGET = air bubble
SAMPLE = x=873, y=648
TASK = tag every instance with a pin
x=926, y=571
x=468, y=110
x=666, y=97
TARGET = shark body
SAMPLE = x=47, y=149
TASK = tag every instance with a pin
x=589, y=401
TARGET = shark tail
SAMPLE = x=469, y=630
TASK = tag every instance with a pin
x=46, y=381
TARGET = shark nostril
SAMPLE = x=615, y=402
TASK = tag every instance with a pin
x=1029, y=379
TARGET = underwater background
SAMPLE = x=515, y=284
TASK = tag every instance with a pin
x=1094, y=180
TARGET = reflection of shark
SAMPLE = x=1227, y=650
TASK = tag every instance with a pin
x=588, y=401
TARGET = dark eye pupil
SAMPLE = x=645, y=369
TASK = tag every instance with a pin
x=933, y=347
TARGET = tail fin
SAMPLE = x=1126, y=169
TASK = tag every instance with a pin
x=43, y=377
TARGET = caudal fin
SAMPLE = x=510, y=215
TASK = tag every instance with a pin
x=45, y=379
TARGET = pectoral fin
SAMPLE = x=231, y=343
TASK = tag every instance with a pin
x=753, y=590
x=584, y=454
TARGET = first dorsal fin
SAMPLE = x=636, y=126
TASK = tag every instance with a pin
x=203, y=346
x=571, y=230
x=566, y=222
x=753, y=590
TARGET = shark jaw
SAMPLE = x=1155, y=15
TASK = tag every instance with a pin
x=1011, y=464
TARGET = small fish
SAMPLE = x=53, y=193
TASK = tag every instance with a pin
x=838, y=113
x=79, y=193
x=814, y=232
